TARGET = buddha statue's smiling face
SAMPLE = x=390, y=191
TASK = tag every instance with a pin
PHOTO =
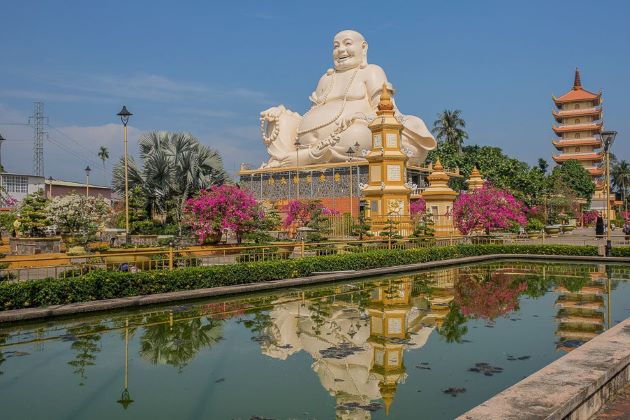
x=349, y=50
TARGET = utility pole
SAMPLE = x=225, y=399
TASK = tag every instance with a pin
x=38, y=120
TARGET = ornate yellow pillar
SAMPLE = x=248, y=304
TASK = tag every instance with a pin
x=386, y=194
x=439, y=198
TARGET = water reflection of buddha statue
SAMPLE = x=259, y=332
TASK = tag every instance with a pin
x=364, y=375
x=343, y=103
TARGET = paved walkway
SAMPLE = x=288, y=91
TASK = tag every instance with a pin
x=616, y=409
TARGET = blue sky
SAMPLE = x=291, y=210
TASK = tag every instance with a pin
x=211, y=67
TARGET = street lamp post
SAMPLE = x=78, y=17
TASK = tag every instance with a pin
x=608, y=138
x=87, y=180
x=124, y=115
x=2, y=139
x=350, y=152
x=297, y=166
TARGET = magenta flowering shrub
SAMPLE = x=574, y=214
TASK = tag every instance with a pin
x=487, y=208
x=222, y=207
x=301, y=212
x=488, y=298
x=417, y=207
x=589, y=217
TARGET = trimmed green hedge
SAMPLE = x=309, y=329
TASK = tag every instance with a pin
x=621, y=251
x=102, y=284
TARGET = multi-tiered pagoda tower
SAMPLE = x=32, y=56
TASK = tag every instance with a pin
x=579, y=114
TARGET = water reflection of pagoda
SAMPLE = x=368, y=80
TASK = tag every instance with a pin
x=581, y=308
x=357, y=338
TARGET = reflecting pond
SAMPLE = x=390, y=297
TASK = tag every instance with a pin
x=430, y=344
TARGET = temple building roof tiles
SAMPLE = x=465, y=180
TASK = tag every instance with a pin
x=589, y=141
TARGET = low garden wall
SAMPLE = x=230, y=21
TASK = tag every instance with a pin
x=34, y=246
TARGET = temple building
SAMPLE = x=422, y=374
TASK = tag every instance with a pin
x=579, y=118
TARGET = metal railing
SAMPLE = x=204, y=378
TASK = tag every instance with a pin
x=171, y=258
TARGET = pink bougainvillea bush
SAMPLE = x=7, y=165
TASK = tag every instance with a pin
x=589, y=217
x=417, y=207
x=301, y=212
x=488, y=297
x=222, y=207
x=488, y=209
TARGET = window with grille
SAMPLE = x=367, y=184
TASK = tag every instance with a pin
x=15, y=184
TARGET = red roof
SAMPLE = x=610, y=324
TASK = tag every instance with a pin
x=567, y=128
x=577, y=156
x=578, y=93
x=591, y=141
x=570, y=113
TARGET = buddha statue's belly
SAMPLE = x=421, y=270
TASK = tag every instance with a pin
x=319, y=122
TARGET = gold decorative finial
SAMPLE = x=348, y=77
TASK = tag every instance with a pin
x=438, y=166
x=475, y=172
x=385, y=103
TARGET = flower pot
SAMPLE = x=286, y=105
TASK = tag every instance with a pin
x=534, y=234
x=552, y=230
x=567, y=228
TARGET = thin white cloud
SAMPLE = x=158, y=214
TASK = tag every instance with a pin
x=200, y=112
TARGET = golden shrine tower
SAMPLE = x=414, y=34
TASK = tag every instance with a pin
x=386, y=193
x=579, y=117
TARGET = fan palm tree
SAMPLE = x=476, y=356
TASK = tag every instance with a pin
x=449, y=128
x=178, y=344
x=174, y=167
x=103, y=154
x=620, y=179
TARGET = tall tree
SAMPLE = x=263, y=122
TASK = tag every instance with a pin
x=620, y=179
x=543, y=165
x=103, y=154
x=449, y=128
x=572, y=175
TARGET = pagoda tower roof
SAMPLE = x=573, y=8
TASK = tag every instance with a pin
x=578, y=93
x=568, y=128
x=571, y=113
x=589, y=141
x=578, y=156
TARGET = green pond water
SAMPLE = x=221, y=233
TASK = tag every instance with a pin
x=431, y=345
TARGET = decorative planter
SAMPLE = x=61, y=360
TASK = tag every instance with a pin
x=552, y=230
x=33, y=246
x=534, y=234
x=567, y=228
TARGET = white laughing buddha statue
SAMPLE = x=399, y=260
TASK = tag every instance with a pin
x=343, y=104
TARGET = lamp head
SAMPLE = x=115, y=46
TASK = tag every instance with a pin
x=2, y=138
x=88, y=170
x=124, y=115
x=608, y=138
x=350, y=151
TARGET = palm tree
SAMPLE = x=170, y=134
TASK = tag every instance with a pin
x=620, y=179
x=449, y=128
x=103, y=154
x=174, y=167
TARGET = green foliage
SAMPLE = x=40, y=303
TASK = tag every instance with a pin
x=449, y=128
x=361, y=227
x=504, y=172
x=390, y=230
x=33, y=217
x=621, y=251
x=423, y=227
x=571, y=178
x=101, y=284
x=534, y=225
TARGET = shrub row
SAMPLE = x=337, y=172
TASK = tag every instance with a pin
x=621, y=251
x=103, y=284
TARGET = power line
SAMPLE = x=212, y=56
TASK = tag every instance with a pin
x=85, y=148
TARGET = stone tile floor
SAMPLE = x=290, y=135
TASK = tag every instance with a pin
x=618, y=408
